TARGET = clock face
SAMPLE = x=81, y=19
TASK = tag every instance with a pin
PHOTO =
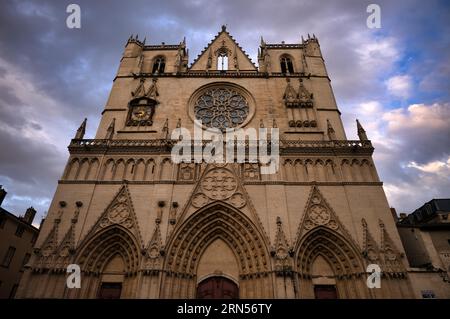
x=141, y=113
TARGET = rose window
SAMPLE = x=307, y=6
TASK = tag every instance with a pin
x=221, y=108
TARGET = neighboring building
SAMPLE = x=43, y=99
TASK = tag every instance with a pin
x=141, y=226
x=425, y=235
x=17, y=237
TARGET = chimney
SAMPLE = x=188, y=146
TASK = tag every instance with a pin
x=29, y=215
x=2, y=194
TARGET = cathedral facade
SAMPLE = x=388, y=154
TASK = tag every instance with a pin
x=140, y=225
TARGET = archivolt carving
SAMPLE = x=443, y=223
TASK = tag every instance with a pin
x=341, y=254
x=321, y=232
x=392, y=263
x=212, y=222
x=119, y=212
x=281, y=250
x=98, y=250
x=370, y=247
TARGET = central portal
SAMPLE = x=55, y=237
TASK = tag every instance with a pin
x=217, y=287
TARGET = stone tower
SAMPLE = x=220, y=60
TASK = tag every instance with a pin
x=141, y=225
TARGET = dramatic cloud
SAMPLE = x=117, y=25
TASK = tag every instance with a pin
x=394, y=79
x=399, y=86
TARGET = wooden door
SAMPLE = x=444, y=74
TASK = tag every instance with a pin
x=110, y=290
x=217, y=288
x=325, y=292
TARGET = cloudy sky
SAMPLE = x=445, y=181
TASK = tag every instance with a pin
x=394, y=79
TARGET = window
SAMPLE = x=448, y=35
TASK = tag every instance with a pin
x=159, y=65
x=222, y=61
x=286, y=65
x=19, y=231
x=9, y=256
x=26, y=259
x=221, y=107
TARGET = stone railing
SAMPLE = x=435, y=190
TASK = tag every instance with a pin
x=165, y=145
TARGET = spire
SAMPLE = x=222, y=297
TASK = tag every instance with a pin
x=224, y=27
x=263, y=44
x=81, y=130
x=110, y=130
x=330, y=131
x=361, y=132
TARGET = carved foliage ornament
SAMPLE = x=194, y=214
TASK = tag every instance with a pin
x=219, y=184
x=119, y=213
x=318, y=214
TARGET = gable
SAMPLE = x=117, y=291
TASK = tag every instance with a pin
x=237, y=58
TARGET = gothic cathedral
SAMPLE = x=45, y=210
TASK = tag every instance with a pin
x=140, y=225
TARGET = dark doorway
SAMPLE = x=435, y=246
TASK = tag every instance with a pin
x=110, y=290
x=325, y=292
x=217, y=288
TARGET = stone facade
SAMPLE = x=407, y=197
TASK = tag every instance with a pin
x=143, y=226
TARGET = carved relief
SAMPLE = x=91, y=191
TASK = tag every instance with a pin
x=318, y=213
x=119, y=212
x=370, y=247
x=391, y=256
x=219, y=184
x=281, y=250
x=186, y=172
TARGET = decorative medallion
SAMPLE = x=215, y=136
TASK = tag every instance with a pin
x=221, y=108
x=219, y=184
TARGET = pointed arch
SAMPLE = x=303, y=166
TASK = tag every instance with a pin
x=119, y=170
x=139, y=170
x=300, y=170
x=150, y=167
x=341, y=254
x=93, y=167
x=108, y=170
x=217, y=221
x=166, y=169
x=73, y=169
x=129, y=169
x=83, y=170
x=97, y=250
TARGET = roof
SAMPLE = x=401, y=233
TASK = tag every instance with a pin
x=17, y=219
x=224, y=30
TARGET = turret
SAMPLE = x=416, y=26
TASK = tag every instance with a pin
x=81, y=130
x=361, y=132
x=133, y=47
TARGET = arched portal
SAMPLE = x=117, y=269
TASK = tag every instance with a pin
x=329, y=266
x=109, y=261
x=217, y=221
